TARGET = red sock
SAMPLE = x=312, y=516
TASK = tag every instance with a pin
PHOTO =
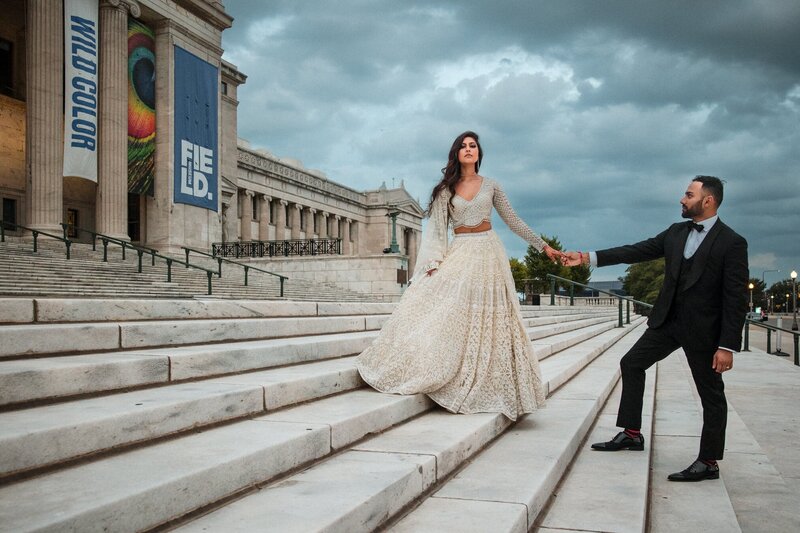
x=632, y=433
x=710, y=462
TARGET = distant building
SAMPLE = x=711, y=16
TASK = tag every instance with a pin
x=130, y=130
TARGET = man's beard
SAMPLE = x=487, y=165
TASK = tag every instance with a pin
x=691, y=212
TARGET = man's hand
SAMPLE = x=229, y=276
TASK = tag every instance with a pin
x=572, y=259
x=723, y=360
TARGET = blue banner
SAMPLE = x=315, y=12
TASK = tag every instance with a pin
x=196, y=151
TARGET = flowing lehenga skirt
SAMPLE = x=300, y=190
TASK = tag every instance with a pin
x=458, y=336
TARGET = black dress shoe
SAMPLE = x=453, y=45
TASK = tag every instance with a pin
x=621, y=442
x=697, y=471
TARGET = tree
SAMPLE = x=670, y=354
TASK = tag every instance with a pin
x=539, y=265
x=643, y=281
x=779, y=290
x=520, y=272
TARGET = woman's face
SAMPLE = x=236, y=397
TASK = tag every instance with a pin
x=469, y=151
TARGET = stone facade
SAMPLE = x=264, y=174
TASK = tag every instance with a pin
x=261, y=196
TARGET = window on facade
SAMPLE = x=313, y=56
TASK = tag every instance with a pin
x=72, y=223
x=314, y=216
x=302, y=221
x=224, y=88
x=9, y=211
x=272, y=213
x=286, y=214
x=255, y=207
x=6, y=67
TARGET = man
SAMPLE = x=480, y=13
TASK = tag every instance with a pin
x=701, y=308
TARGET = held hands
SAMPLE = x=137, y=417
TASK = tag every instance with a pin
x=573, y=259
x=556, y=256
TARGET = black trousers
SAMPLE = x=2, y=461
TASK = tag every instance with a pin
x=655, y=345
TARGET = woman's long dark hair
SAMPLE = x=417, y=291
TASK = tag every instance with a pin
x=452, y=172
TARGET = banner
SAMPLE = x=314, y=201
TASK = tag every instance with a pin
x=196, y=153
x=141, y=108
x=80, y=88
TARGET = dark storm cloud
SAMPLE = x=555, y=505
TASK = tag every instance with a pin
x=594, y=115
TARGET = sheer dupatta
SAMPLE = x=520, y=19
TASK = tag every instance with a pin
x=434, y=238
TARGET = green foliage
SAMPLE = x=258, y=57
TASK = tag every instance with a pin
x=779, y=290
x=539, y=265
x=643, y=281
x=519, y=272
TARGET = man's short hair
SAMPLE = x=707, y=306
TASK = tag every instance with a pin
x=711, y=186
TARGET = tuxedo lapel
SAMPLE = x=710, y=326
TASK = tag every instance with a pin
x=701, y=255
x=675, y=253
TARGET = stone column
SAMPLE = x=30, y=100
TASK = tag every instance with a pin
x=296, y=213
x=412, y=252
x=323, y=228
x=347, y=248
x=112, y=163
x=354, y=233
x=310, y=215
x=263, y=217
x=280, y=220
x=44, y=143
x=247, y=215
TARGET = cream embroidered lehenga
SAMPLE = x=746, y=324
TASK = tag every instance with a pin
x=458, y=335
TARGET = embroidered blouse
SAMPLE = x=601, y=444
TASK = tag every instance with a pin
x=464, y=212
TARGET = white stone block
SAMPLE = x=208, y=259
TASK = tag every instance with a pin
x=85, y=426
x=23, y=380
x=51, y=338
x=143, y=488
x=199, y=361
x=16, y=310
x=355, y=308
x=141, y=334
x=354, y=491
x=355, y=414
x=447, y=514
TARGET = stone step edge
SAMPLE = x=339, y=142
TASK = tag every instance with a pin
x=169, y=365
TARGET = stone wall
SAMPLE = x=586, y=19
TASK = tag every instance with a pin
x=374, y=275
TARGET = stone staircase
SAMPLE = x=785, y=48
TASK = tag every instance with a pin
x=47, y=272
x=234, y=415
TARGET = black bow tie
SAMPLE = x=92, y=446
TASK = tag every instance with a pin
x=693, y=225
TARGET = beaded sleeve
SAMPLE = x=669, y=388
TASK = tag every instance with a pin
x=516, y=224
x=434, y=238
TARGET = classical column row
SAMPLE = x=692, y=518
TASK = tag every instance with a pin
x=300, y=220
x=45, y=123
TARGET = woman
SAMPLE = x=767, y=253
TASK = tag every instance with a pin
x=457, y=334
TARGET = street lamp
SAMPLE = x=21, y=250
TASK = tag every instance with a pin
x=771, y=303
x=786, y=309
x=751, y=296
x=794, y=299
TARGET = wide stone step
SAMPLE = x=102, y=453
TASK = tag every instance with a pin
x=510, y=482
x=25, y=380
x=99, y=424
x=362, y=488
x=143, y=488
x=43, y=339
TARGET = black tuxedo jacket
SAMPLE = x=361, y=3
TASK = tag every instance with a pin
x=714, y=293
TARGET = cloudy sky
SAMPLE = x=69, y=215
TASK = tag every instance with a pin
x=593, y=115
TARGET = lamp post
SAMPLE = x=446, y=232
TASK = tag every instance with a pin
x=751, y=296
x=771, y=303
x=794, y=300
x=786, y=307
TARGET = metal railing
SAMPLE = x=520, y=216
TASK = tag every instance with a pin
x=284, y=248
x=35, y=233
x=553, y=278
x=770, y=329
x=246, y=268
x=140, y=251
